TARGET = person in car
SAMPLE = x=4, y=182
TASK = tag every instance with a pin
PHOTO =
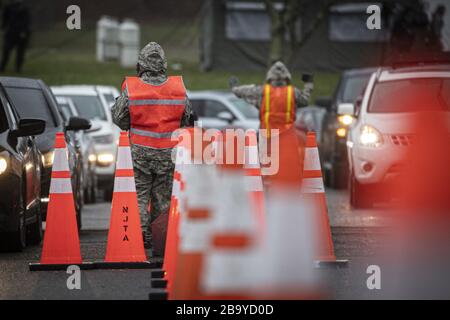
x=152, y=106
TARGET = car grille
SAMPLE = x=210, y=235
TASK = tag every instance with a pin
x=402, y=140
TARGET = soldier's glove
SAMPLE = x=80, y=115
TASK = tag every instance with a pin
x=233, y=82
x=307, y=77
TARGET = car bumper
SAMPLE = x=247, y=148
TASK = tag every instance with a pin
x=382, y=164
x=105, y=170
x=9, y=184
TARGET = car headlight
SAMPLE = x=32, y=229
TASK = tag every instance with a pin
x=3, y=165
x=370, y=137
x=346, y=119
x=92, y=158
x=341, y=132
x=47, y=159
x=105, y=158
x=105, y=139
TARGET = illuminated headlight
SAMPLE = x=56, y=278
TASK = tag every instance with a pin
x=105, y=158
x=341, y=132
x=3, y=165
x=105, y=139
x=92, y=158
x=346, y=119
x=47, y=159
x=370, y=137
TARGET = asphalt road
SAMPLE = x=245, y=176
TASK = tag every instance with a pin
x=357, y=234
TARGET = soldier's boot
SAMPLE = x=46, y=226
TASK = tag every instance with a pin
x=147, y=239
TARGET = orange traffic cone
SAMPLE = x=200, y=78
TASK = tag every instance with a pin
x=253, y=178
x=125, y=248
x=313, y=188
x=61, y=243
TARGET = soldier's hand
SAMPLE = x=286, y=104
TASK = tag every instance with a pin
x=307, y=77
x=233, y=82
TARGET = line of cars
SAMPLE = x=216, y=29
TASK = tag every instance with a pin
x=30, y=115
x=364, y=130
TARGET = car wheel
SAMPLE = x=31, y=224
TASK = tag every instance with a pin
x=34, y=230
x=93, y=194
x=360, y=196
x=107, y=193
x=16, y=241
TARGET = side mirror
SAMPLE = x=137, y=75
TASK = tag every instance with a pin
x=346, y=108
x=94, y=127
x=324, y=102
x=29, y=127
x=358, y=104
x=225, y=116
x=77, y=123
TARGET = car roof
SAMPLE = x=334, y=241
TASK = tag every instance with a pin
x=359, y=71
x=21, y=82
x=415, y=71
x=209, y=93
x=88, y=90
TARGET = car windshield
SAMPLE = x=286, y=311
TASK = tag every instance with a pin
x=109, y=98
x=89, y=107
x=249, y=111
x=31, y=103
x=353, y=87
x=411, y=95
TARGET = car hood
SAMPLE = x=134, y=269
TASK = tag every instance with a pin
x=396, y=123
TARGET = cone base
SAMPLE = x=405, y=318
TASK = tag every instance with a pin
x=331, y=264
x=127, y=265
x=60, y=267
x=157, y=294
x=159, y=283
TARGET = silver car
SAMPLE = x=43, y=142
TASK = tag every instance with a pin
x=221, y=109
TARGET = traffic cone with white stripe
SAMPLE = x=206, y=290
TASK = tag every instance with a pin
x=313, y=189
x=61, y=242
x=253, y=178
x=125, y=248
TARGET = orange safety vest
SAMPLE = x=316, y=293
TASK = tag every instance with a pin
x=155, y=111
x=278, y=107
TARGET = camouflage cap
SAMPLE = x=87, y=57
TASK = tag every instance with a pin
x=152, y=59
x=278, y=72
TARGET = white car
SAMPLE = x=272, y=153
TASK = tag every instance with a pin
x=90, y=105
x=378, y=140
x=108, y=94
x=221, y=109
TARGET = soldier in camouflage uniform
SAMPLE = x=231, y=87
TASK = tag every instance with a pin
x=153, y=168
x=278, y=76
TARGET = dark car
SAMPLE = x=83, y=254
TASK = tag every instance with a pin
x=20, y=177
x=335, y=123
x=85, y=149
x=32, y=98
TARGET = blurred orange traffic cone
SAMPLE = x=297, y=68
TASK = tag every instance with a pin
x=253, y=178
x=313, y=188
x=196, y=211
x=125, y=248
x=61, y=242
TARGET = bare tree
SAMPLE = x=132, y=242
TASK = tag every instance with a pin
x=284, y=27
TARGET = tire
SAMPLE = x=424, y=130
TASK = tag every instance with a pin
x=34, y=230
x=93, y=194
x=16, y=241
x=360, y=195
x=87, y=196
x=107, y=194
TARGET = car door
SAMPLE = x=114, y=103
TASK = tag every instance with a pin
x=208, y=110
x=27, y=153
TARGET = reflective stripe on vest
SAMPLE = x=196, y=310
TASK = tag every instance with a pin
x=155, y=111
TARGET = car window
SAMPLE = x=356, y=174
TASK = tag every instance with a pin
x=353, y=87
x=89, y=107
x=249, y=111
x=3, y=120
x=212, y=108
x=110, y=99
x=198, y=107
x=31, y=103
x=409, y=95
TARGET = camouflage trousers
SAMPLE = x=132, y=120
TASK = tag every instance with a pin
x=153, y=186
